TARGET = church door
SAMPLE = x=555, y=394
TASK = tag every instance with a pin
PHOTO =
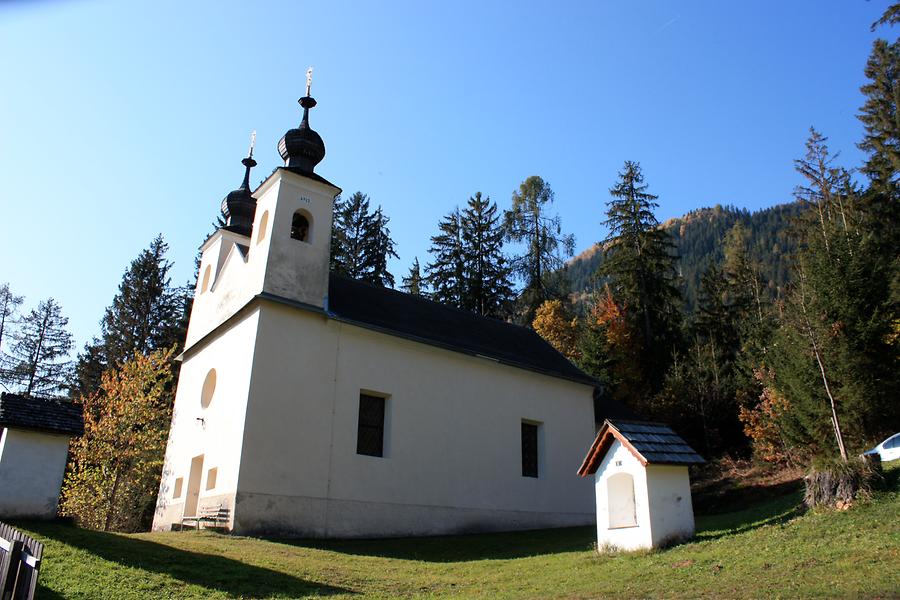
x=193, y=490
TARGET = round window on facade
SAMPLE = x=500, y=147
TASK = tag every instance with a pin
x=209, y=388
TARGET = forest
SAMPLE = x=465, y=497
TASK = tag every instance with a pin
x=772, y=335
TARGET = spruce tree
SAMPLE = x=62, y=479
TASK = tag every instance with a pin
x=880, y=118
x=147, y=314
x=545, y=246
x=9, y=305
x=379, y=247
x=348, y=238
x=834, y=358
x=639, y=264
x=446, y=274
x=361, y=242
x=38, y=355
x=487, y=274
x=413, y=283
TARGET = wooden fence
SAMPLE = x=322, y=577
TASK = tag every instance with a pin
x=20, y=561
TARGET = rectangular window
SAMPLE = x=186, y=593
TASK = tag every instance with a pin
x=178, y=485
x=529, y=449
x=211, y=477
x=370, y=434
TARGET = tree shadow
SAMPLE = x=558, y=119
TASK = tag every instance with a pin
x=227, y=575
x=720, y=499
x=463, y=548
x=45, y=593
x=890, y=477
x=775, y=511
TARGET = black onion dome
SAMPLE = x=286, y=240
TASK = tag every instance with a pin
x=239, y=206
x=302, y=148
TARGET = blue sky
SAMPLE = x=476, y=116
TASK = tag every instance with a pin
x=121, y=120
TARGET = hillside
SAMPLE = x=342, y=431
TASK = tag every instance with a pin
x=698, y=239
x=767, y=548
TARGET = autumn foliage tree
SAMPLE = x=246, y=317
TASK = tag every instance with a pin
x=608, y=350
x=113, y=477
x=554, y=323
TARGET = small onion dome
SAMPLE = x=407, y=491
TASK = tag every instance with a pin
x=239, y=206
x=302, y=148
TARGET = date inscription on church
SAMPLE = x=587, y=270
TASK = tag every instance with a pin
x=305, y=200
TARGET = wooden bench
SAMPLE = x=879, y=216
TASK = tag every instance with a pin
x=218, y=516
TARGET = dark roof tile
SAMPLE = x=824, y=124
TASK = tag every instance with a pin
x=40, y=414
x=422, y=320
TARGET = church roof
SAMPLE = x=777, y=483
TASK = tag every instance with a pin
x=27, y=412
x=650, y=443
x=418, y=319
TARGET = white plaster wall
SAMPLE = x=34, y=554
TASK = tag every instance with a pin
x=453, y=437
x=294, y=269
x=624, y=538
x=671, y=515
x=275, y=263
x=220, y=435
x=31, y=473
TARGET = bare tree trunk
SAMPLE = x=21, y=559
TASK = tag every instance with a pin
x=112, y=500
x=36, y=359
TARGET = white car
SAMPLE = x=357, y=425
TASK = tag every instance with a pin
x=889, y=449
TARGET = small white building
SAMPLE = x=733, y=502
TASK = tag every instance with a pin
x=34, y=444
x=642, y=486
x=310, y=404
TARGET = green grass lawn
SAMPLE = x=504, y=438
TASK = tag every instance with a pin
x=772, y=549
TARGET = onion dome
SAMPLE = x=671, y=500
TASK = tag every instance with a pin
x=239, y=206
x=302, y=148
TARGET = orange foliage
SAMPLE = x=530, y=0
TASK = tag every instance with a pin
x=553, y=324
x=761, y=422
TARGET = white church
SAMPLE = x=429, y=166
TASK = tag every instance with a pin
x=317, y=406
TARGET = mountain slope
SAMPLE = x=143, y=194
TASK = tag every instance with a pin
x=698, y=238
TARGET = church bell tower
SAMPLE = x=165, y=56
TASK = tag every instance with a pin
x=276, y=240
x=292, y=226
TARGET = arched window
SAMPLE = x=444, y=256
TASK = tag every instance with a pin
x=620, y=495
x=263, y=223
x=300, y=227
x=205, y=285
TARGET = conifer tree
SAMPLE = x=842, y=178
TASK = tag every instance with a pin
x=348, y=238
x=833, y=354
x=361, y=242
x=640, y=268
x=146, y=314
x=413, y=283
x=9, y=305
x=880, y=117
x=379, y=247
x=446, y=273
x=487, y=275
x=545, y=246
x=38, y=356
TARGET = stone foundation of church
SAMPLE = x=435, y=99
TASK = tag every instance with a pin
x=305, y=517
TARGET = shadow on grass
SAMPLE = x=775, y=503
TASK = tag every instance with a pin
x=44, y=593
x=730, y=499
x=213, y=572
x=777, y=510
x=464, y=548
x=891, y=474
